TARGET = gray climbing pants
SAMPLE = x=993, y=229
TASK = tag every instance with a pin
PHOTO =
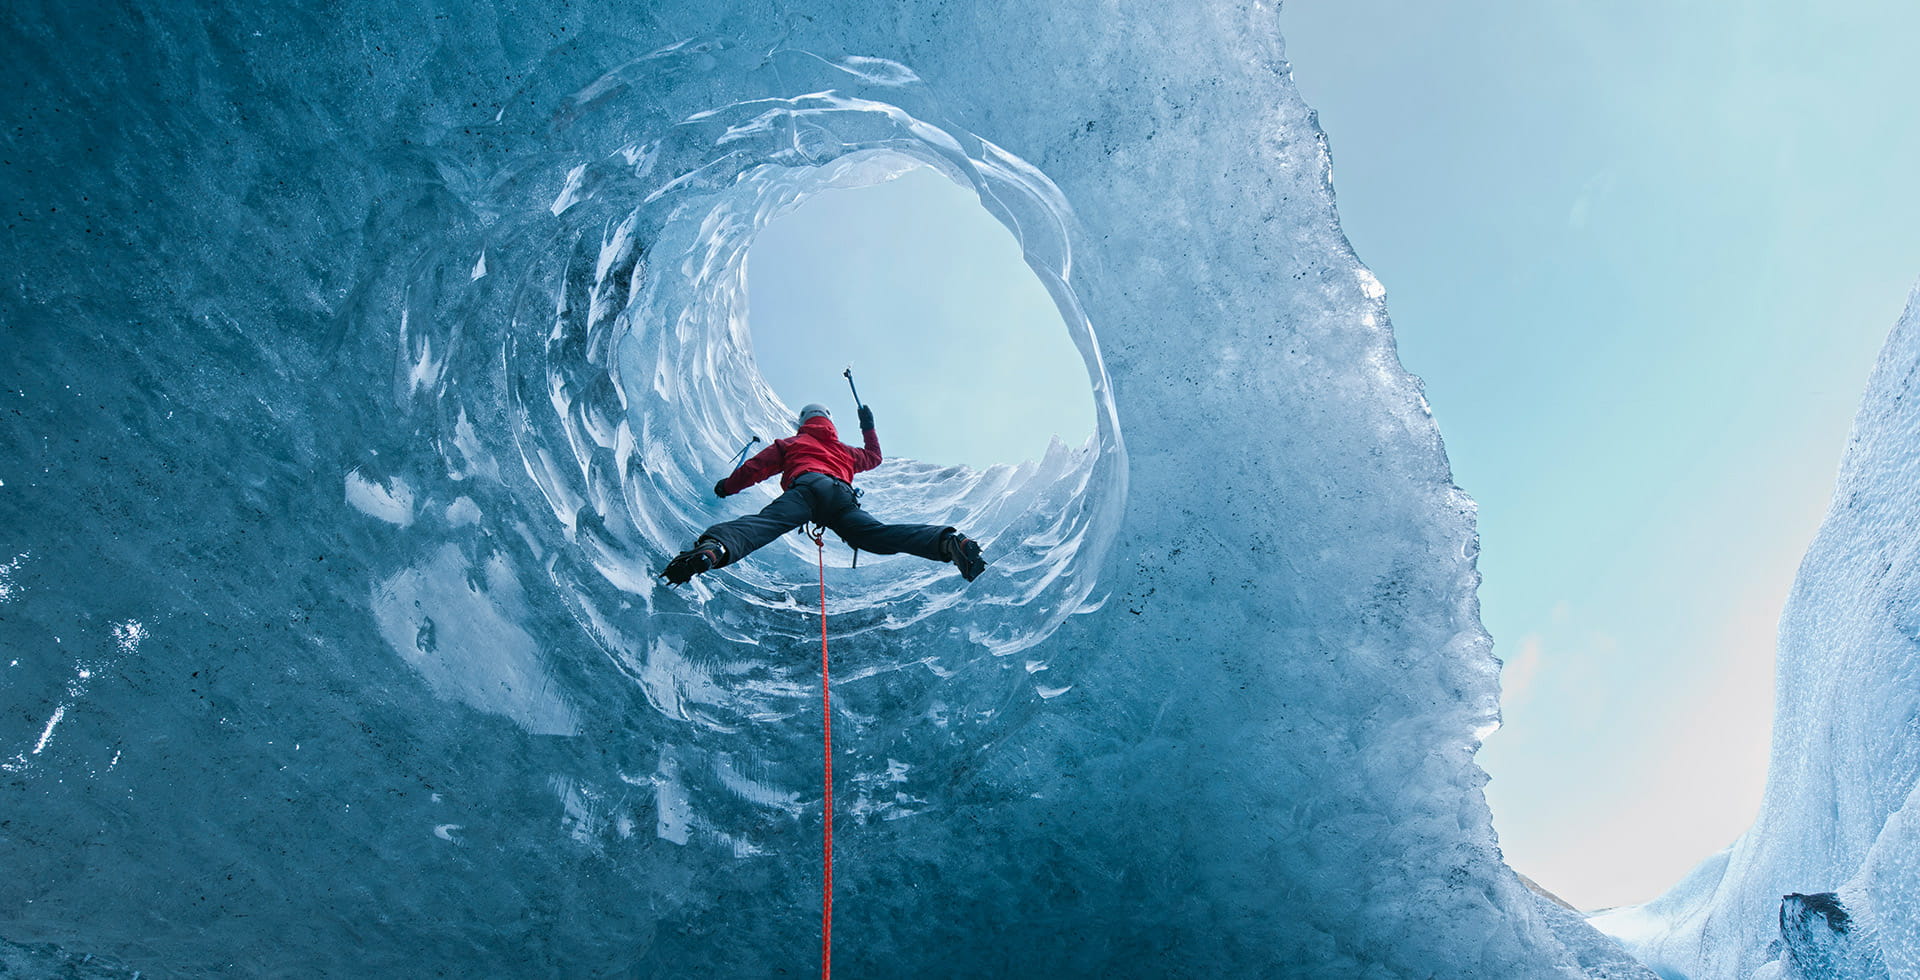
x=824, y=500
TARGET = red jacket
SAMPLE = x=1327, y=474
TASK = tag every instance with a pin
x=816, y=448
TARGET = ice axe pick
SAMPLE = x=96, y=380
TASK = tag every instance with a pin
x=741, y=456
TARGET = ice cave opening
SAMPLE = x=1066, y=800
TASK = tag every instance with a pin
x=694, y=396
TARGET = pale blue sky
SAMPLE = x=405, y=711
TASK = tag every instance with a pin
x=1643, y=252
x=953, y=341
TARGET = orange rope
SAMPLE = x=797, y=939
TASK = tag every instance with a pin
x=826, y=743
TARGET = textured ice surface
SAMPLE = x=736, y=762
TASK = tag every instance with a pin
x=1842, y=807
x=366, y=358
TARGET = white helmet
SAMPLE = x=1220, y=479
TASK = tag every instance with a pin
x=812, y=410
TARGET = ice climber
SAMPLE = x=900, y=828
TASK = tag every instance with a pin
x=817, y=474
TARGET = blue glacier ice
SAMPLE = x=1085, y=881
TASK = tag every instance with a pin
x=1841, y=813
x=362, y=360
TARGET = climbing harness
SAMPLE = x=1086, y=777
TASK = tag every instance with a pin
x=819, y=536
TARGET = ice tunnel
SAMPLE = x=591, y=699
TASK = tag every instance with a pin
x=364, y=361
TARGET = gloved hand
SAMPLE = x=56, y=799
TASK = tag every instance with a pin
x=866, y=418
x=720, y=488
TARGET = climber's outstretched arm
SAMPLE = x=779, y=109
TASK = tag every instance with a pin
x=764, y=464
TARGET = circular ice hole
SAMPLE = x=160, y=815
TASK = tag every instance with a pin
x=953, y=340
x=693, y=395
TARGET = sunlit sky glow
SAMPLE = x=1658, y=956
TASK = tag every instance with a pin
x=953, y=340
x=1643, y=253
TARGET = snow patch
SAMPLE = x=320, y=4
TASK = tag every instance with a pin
x=128, y=635
x=391, y=501
x=8, y=588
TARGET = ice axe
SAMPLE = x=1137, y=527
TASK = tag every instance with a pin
x=848, y=374
x=741, y=456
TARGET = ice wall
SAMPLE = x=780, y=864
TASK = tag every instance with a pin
x=1841, y=814
x=362, y=360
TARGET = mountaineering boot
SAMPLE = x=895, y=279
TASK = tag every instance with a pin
x=964, y=552
x=705, y=556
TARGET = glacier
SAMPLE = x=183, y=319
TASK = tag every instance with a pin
x=1826, y=884
x=362, y=362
